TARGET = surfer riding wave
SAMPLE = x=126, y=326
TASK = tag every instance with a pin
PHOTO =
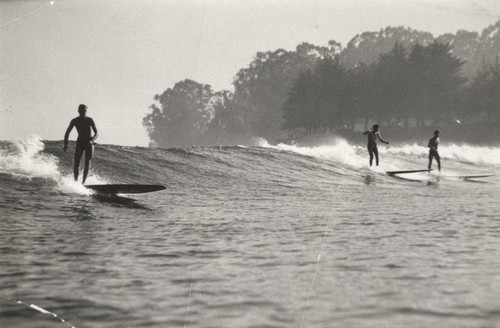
x=85, y=141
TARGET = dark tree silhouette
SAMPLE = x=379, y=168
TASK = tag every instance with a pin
x=180, y=115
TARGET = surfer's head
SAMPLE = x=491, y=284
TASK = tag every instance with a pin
x=436, y=133
x=375, y=127
x=82, y=109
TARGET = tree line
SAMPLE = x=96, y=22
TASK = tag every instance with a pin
x=310, y=91
x=422, y=85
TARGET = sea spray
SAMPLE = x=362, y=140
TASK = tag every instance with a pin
x=339, y=151
x=22, y=157
x=461, y=153
x=471, y=154
x=342, y=152
x=26, y=159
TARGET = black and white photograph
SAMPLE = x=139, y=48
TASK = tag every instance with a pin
x=249, y=163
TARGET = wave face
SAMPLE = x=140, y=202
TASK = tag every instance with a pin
x=263, y=236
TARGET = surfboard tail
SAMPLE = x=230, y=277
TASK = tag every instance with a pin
x=407, y=171
x=124, y=188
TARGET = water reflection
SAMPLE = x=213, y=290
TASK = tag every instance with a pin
x=83, y=212
x=119, y=201
x=369, y=179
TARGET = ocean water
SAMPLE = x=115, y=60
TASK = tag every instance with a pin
x=263, y=236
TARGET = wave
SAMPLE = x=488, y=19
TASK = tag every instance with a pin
x=25, y=160
x=340, y=151
x=214, y=167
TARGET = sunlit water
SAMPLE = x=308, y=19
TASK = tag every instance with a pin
x=264, y=236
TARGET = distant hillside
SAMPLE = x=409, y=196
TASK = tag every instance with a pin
x=472, y=47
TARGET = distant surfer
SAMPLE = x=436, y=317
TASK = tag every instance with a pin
x=433, y=150
x=85, y=141
x=372, y=142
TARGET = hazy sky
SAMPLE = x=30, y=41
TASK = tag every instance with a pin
x=115, y=55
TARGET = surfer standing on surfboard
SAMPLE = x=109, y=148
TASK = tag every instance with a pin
x=85, y=141
x=372, y=143
x=433, y=150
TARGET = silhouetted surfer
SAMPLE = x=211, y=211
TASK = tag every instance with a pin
x=85, y=141
x=372, y=143
x=433, y=150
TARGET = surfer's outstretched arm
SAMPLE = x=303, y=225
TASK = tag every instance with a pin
x=380, y=138
x=66, y=135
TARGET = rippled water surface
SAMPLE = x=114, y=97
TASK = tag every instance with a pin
x=249, y=237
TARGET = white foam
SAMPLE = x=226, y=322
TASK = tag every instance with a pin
x=413, y=149
x=260, y=142
x=339, y=150
x=25, y=159
x=401, y=157
x=472, y=154
x=464, y=153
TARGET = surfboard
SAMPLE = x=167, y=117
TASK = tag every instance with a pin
x=124, y=188
x=465, y=177
x=408, y=171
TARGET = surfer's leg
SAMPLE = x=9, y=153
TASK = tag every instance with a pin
x=438, y=160
x=430, y=160
x=375, y=150
x=370, y=152
x=89, y=151
x=78, y=156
